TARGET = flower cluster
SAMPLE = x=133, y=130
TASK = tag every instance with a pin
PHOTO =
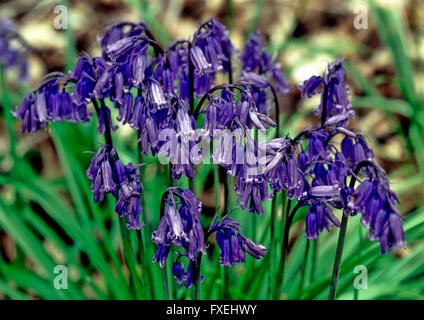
x=329, y=174
x=51, y=102
x=233, y=245
x=180, y=226
x=109, y=175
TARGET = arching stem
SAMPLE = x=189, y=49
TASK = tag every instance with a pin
x=342, y=235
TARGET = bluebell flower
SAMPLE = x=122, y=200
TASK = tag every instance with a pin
x=181, y=275
x=101, y=175
x=318, y=218
x=13, y=52
x=254, y=59
x=120, y=30
x=129, y=202
x=335, y=105
x=201, y=65
x=229, y=113
x=317, y=150
x=282, y=170
x=179, y=226
x=213, y=39
x=310, y=87
x=233, y=245
x=240, y=156
x=126, y=108
x=91, y=77
x=178, y=139
x=374, y=199
x=50, y=102
x=108, y=175
x=252, y=192
x=144, y=122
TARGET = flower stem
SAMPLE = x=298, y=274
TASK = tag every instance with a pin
x=338, y=258
x=216, y=185
x=165, y=282
x=284, y=247
x=303, y=271
x=130, y=259
x=165, y=267
x=274, y=199
x=196, y=267
x=128, y=252
x=107, y=134
x=196, y=275
x=145, y=271
x=168, y=269
x=272, y=244
x=314, y=259
x=356, y=291
x=342, y=234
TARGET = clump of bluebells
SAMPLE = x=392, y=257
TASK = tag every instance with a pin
x=164, y=93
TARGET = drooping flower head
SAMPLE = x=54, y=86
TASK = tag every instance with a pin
x=377, y=203
x=120, y=30
x=50, y=102
x=232, y=243
x=129, y=204
x=179, y=225
x=318, y=218
x=335, y=105
x=283, y=171
x=212, y=38
x=108, y=175
x=254, y=59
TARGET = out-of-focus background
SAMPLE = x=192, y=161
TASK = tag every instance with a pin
x=384, y=45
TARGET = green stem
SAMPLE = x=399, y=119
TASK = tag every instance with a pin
x=145, y=272
x=216, y=185
x=342, y=233
x=286, y=223
x=165, y=282
x=227, y=204
x=314, y=259
x=227, y=185
x=338, y=258
x=168, y=268
x=274, y=199
x=356, y=291
x=196, y=275
x=272, y=244
x=303, y=271
x=130, y=259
